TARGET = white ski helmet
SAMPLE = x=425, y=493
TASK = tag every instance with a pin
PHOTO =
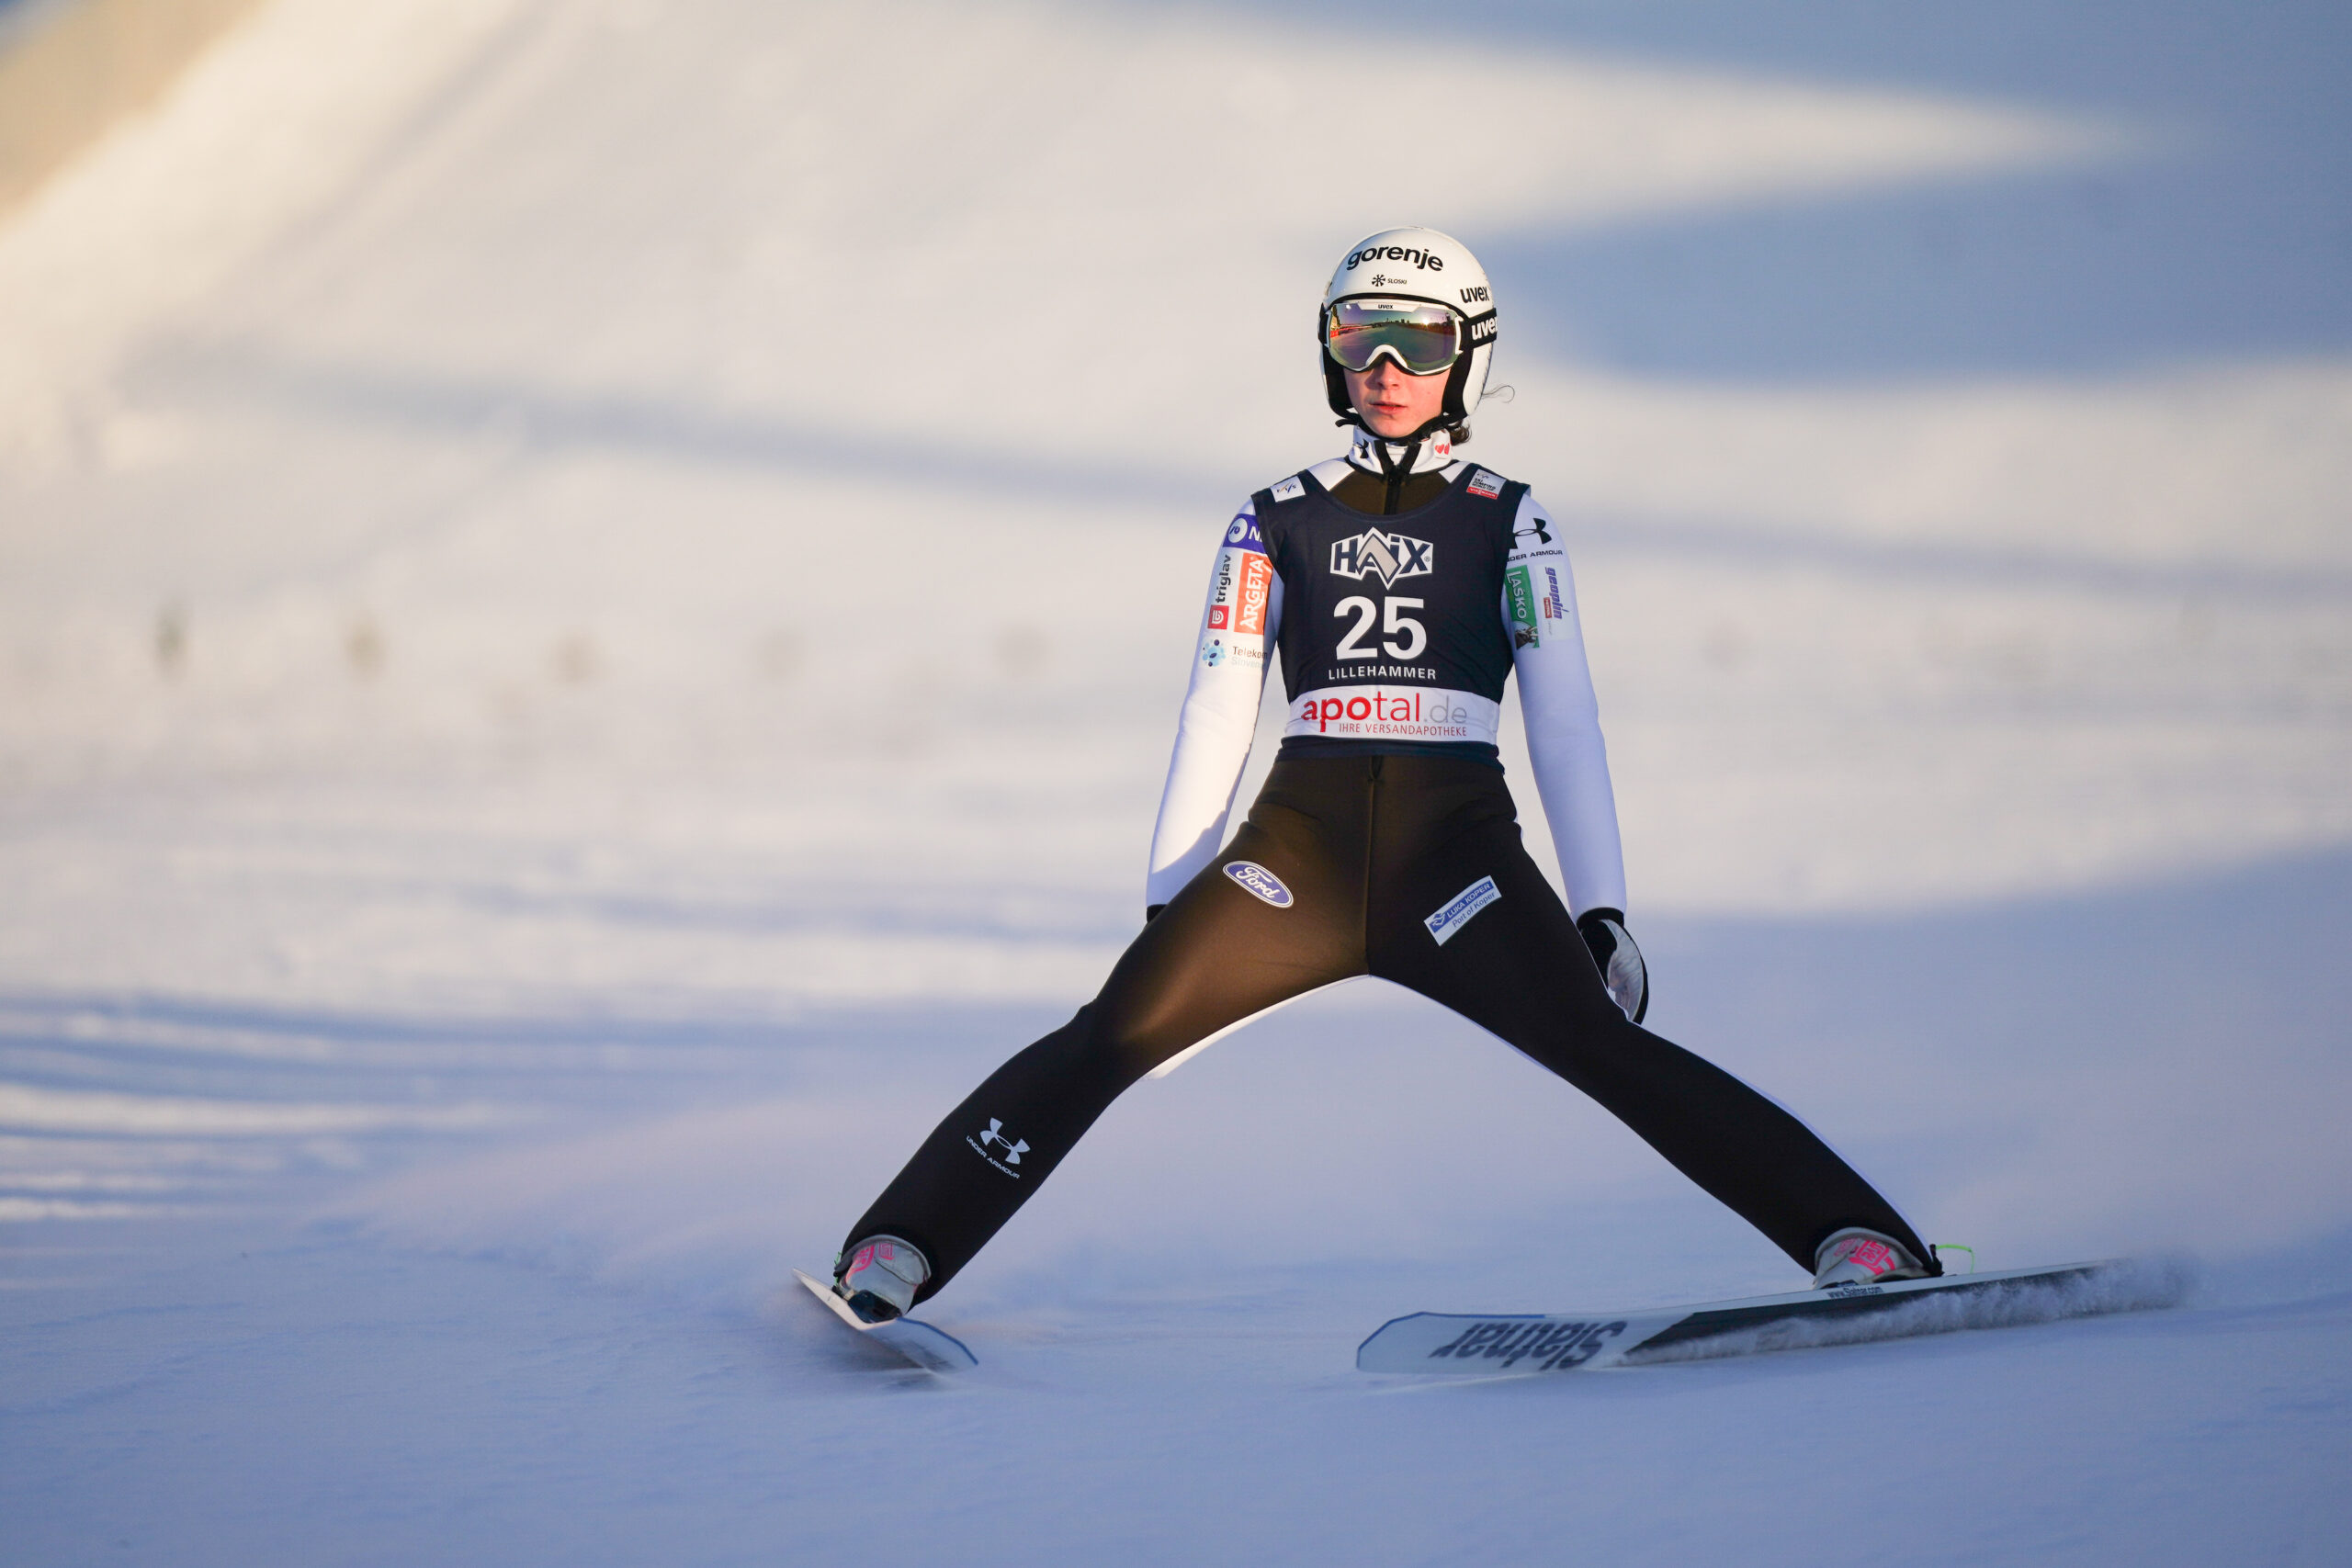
x=1427, y=267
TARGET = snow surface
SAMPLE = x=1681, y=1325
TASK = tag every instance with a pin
x=593, y=594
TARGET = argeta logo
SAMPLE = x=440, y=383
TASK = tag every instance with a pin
x=1386, y=555
x=1259, y=883
x=1013, y=1148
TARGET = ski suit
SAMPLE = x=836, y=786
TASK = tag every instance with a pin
x=1384, y=842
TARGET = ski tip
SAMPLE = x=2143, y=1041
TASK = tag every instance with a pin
x=932, y=1350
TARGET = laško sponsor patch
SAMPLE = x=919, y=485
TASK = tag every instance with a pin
x=1461, y=908
x=1520, y=593
x=1259, y=883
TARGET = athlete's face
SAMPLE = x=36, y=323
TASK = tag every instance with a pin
x=1394, y=404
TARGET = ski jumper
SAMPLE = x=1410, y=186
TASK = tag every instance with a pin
x=1384, y=842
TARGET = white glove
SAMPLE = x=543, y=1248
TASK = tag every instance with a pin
x=1622, y=973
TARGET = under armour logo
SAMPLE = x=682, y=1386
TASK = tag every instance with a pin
x=995, y=1135
x=1543, y=534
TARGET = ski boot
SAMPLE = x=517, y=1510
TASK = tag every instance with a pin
x=1858, y=1256
x=878, y=1278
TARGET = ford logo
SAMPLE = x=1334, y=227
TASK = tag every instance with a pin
x=1259, y=883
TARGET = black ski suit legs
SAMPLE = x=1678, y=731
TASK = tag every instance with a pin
x=1368, y=847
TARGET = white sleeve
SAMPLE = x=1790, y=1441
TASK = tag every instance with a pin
x=1220, y=717
x=1562, y=716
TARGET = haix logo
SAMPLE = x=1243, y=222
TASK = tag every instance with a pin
x=1394, y=253
x=1386, y=555
x=1014, y=1150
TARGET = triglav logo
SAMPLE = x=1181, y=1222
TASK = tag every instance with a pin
x=1386, y=555
x=995, y=1135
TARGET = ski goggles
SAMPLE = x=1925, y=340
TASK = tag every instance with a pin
x=1423, y=339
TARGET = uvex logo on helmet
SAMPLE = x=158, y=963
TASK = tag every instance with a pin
x=1429, y=259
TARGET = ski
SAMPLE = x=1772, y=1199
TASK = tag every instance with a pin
x=919, y=1343
x=1464, y=1344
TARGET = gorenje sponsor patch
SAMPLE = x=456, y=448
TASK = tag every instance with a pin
x=1259, y=883
x=1461, y=908
x=1395, y=712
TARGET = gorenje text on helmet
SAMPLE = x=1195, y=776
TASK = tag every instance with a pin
x=1429, y=259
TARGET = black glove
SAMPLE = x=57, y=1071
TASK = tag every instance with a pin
x=1619, y=961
